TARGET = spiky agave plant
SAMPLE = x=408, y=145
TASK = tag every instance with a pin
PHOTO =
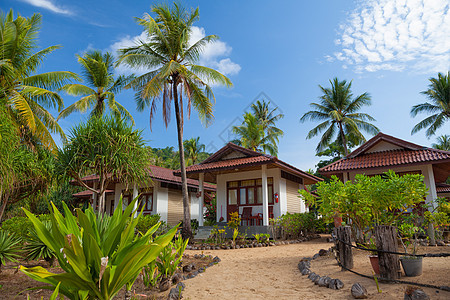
x=35, y=248
x=9, y=248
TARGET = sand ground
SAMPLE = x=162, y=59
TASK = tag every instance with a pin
x=271, y=273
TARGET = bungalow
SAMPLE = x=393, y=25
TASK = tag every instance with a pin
x=257, y=186
x=384, y=152
x=163, y=196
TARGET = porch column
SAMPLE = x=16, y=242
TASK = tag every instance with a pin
x=431, y=198
x=265, y=197
x=135, y=195
x=201, y=199
x=117, y=193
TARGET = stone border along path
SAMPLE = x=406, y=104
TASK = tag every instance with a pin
x=323, y=281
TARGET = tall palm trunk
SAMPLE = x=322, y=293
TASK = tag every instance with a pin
x=344, y=141
x=187, y=231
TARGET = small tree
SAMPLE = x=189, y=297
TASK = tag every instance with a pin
x=109, y=148
x=369, y=201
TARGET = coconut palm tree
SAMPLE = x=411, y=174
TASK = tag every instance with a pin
x=251, y=135
x=192, y=150
x=267, y=118
x=171, y=58
x=439, y=95
x=25, y=93
x=98, y=71
x=443, y=143
x=339, y=112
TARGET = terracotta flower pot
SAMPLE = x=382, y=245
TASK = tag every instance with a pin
x=374, y=263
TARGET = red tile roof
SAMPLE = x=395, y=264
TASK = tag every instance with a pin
x=253, y=158
x=88, y=193
x=443, y=188
x=410, y=154
x=161, y=174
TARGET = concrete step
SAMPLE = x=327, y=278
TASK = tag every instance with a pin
x=202, y=233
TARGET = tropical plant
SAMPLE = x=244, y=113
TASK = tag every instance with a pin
x=235, y=235
x=10, y=248
x=99, y=254
x=100, y=91
x=210, y=214
x=251, y=135
x=27, y=93
x=109, y=148
x=439, y=106
x=36, y=249
x=234, y=221
x=172, y=60
x=192, y=150
x=170, y=257
x=147, y=222
x=370, y=201
x=339, y=112
x=268, y=117
x=151, y=275
x=443, y=143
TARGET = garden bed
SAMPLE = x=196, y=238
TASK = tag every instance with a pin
x=14, y=282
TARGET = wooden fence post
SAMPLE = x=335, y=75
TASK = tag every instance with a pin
x=345, y=255
x=386, y=239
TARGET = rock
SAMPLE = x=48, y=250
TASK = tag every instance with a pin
x=423, y=244
x=306, y=271
x=228, y=248
x=176, y=278
x=324, y=281
x=311, y=275
x=174, y=294
x=335, y=284
x=304, y=264
x=237, y=247
x=180, y=286
x=190, y=275
x=317, y=279
x=413, y=293
x=330, y=240
x=216, y=259
x=323, y=252
x=217, y=248
x=187, y=268
x=359, y=291
x=316, y=256
x=313, y=278
x=440, y=243
x=164, y=285
x=201, y=270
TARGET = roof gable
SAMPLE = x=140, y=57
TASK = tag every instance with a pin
x=383, y=142
x=232, y=151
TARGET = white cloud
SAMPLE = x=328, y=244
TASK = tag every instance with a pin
x=48, y=4
x=396, y=35
x=214, y=54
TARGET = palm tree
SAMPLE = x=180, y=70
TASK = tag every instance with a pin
x=98, y=70
x=339, y=112
x=174, y=73
x=439, y=94
x=27, y=94
x=443, y=143
x=192, y=150
x=267, y=117
x=251, y=135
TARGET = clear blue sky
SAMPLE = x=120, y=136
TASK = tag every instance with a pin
x=283, y=49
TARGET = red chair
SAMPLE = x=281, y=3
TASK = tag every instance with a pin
x=246, y=215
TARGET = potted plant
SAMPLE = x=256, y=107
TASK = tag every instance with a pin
x=412, y=265
x=373, y=257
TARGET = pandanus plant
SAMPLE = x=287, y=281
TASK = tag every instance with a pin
x=99, y=254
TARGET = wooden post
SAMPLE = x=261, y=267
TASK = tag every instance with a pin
x=345, y=255
x=386, y=239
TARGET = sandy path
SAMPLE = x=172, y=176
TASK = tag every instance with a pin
x=257, y=273
x=271, y=273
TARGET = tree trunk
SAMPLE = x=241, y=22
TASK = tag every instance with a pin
x=386, y=239
x=2, y=209
x=344, y=142
x=186, y=231
x=345, y=253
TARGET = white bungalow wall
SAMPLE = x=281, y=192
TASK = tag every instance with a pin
x=279, y=186
x=160, y=200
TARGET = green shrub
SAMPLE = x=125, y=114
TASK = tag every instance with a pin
x=21, y=226
x=294, y=225
x=146, y=222
x=9, y=247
